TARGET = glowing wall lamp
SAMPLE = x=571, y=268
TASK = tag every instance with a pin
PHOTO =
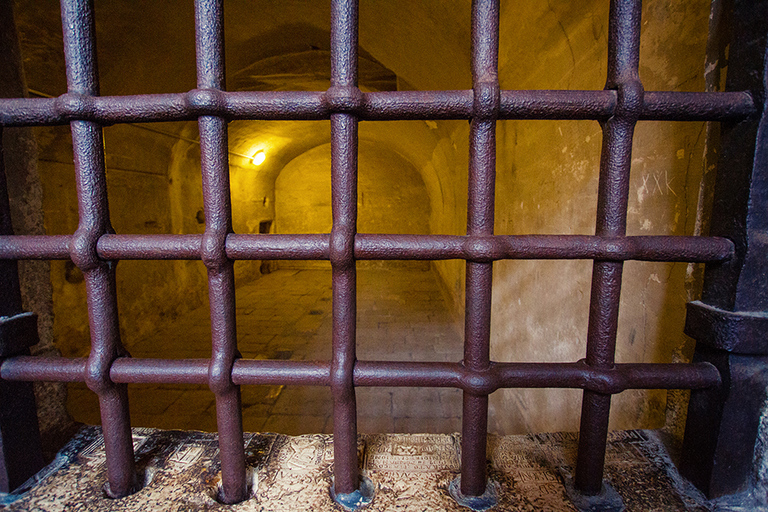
x=259, y=157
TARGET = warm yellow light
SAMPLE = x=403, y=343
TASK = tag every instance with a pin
x=259, y=157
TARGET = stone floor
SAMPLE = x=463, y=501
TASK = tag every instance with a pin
x=286, y=314
x=180, y=471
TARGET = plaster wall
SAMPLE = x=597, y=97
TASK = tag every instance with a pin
x=139, y=186
x=547, y=183
x=391, y=195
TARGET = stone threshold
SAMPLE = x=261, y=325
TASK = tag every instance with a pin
x=410, y=472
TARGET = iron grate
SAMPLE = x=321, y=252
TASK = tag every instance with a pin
x=94, y=245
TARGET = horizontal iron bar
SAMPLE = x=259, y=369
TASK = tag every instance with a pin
x=379, y=373
x=279, y=247
x=160, y=371
x=490, y=248
x=386, y=247
x=308, y=373
x=299, y=105
x=35, y=247
x=538, y=375
x=156, y=247
x=696, y=106
x=45, y=369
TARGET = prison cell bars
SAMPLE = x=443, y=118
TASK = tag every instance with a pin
x=96, y=249
x=214, y=154
x=612, y=199
x=344, y=94
x=93, y=212
x=480, y=217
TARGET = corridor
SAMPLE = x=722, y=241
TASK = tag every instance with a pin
x=402, y=316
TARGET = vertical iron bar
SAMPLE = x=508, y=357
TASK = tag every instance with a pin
x=209, y=21
x=93, y=209
x=82, y=78
x=480, y=218
x=344, y=40
x=613, y=194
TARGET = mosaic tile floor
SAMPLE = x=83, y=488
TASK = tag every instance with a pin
x=409, y=473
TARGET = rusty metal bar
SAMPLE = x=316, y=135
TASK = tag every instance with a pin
x=209, y=23
x=35, y=247
x=49, y=369
x=697, y=106
x=389, y=105
x=155, y=247
x=577, y=375
x=480, y=217
x=500, y=247
x=82, y=79
x=281, y=247
x=613, y=193
x=386, y=247
x=343, y=94
x=537, y=375
x=95, y=249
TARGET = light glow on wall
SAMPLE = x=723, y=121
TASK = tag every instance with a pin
x=259, y=157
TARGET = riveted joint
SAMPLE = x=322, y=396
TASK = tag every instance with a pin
x=479, y=382
x=342, y=380
x=82, y=249
x=629, y=101
x=343, y=99
x=342, y=246
x=97, y=371
x=480, y=249
x=205, y=102
x=615, y=250
x=213, y=250
x=604, y=381
x=486, y=100
x=75, y=106
x=220, y=375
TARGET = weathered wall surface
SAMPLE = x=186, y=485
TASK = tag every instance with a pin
x=140, y=182
x=19, y=152
x=548, y=174
x=391, y=196
x=132, y=60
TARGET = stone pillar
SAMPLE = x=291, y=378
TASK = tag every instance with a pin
x=25, y=193
x=731, y=320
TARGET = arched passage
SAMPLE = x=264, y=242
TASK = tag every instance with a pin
x=391, y=196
